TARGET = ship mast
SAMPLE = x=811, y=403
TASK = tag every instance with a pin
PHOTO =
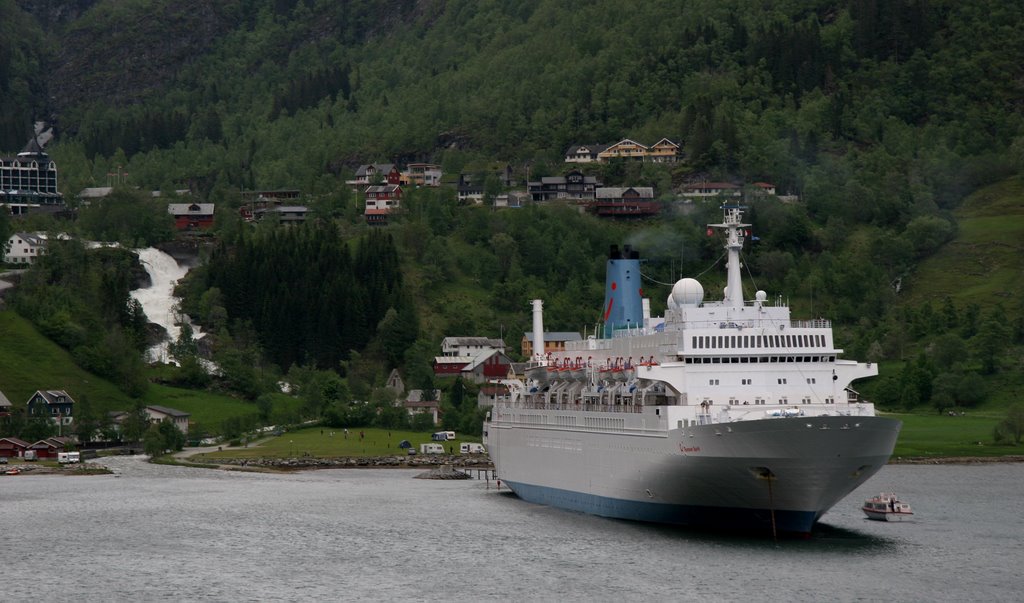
x=734, y=231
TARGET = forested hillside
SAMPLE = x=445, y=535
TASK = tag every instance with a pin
x=882, y=117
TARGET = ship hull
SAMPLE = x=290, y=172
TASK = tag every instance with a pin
x=780, y=474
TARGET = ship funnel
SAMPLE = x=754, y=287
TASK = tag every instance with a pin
x=623, y=296
x=538, y=329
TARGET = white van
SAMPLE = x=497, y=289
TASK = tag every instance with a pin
x=431, y=449
x=472, y=448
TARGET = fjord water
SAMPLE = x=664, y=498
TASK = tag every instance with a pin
x=165, y=533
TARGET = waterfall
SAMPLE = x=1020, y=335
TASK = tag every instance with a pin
x=158, y=301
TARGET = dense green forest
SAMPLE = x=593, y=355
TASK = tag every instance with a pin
x=883, y=117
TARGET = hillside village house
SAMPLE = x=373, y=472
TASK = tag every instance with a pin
x=375, y=173
x=256, y=203
x=421, y=174
x=625, y=201
x=573, y=185
x=474, y=358
x=191, y=216
x=158, y=414
x=25, y=247
x=381, y=200
x=663, y=151
x=584, y=153
x=712, y=189
x=624, y=149
x=53, y=403
x=554, y=341
x=283, y=214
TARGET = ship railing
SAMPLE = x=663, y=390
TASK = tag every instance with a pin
x=815, y=323
x=586, y=406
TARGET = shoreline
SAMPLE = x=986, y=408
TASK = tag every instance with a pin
x=956, y=460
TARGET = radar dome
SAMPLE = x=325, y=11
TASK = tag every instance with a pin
x=760, y=296
x=671, y=302
x=687, y=292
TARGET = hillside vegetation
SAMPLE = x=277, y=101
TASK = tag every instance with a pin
x=898, y=125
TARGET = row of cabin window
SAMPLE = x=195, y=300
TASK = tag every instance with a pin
x=755, y=359
x=704, y=342
x=781, y=381
x=783, y=400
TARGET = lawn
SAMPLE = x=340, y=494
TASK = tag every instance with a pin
x=329, y=443
x=945, y=436
x=208, y=409
x=983, y=263
x=29, y=362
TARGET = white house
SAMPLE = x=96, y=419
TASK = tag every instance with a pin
x=470, y=346
x=712, y=189
x=423, y=402
x=158, y=414
x=24, y=247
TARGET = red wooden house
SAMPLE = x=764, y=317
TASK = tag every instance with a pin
x=191, y=216
x=13, y=448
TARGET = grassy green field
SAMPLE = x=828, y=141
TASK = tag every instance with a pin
x=330, y=443
x=944, y=436
x=29, y=362
x=983, y=264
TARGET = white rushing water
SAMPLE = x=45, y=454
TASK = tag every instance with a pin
x=158, y=300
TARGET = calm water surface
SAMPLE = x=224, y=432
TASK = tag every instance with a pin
x=156, y=533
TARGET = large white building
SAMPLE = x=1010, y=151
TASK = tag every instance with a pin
x=24, y=247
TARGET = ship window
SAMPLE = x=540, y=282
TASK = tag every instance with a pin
x=712, y=381
x=782, y=381
x=721, y=341
x=734, y=341
x=811, y=380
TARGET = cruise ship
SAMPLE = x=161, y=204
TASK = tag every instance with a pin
x=720, y=414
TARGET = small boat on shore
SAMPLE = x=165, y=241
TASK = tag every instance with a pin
x=886, y=507
x=13, y=471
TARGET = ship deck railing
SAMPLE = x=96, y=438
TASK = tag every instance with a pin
x=589, y=407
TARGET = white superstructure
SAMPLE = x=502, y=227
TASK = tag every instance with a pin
x=724, y=413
